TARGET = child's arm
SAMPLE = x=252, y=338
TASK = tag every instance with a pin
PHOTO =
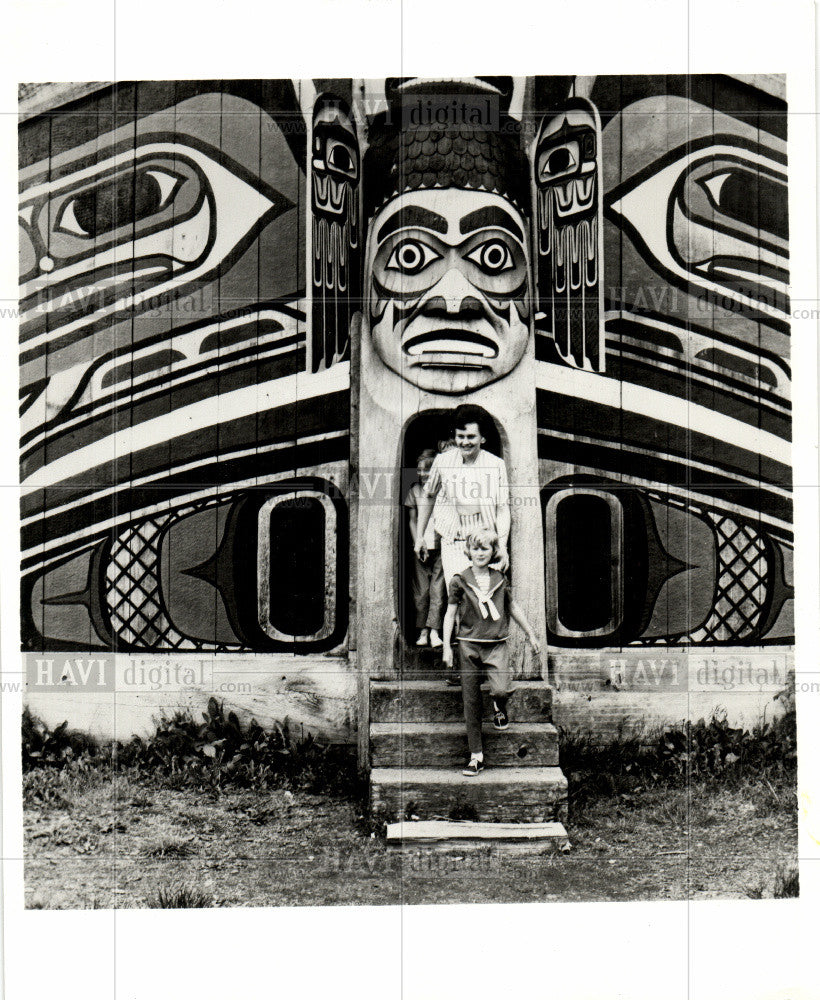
x=414, y=520
x=447, y=637
x=423, y=512
x=518, y=616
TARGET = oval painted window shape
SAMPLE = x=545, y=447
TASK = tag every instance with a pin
x=296, y=566
x=584, y=536
x=583, y=543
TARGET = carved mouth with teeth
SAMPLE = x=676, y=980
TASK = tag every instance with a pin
x=451, y=348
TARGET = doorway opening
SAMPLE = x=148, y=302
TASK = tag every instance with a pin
x=429, y=431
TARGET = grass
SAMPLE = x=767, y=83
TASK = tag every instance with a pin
x=129, y=840
x=702, y=812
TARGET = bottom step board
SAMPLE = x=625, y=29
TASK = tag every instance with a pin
x=497, y=795
x=506, y=837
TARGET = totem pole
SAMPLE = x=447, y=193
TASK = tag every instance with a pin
x=446, y=319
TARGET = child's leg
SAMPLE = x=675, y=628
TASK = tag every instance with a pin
x=420, y=585
x=497, y=665
x=472, y=673
x=435, y=610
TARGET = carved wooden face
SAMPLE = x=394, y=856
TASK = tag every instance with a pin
x=449, y=289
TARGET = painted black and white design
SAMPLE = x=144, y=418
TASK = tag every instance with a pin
x=207, y=270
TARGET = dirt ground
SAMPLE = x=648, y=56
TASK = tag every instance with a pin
x=119, y=842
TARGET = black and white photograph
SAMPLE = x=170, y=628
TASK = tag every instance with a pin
x=409, y=508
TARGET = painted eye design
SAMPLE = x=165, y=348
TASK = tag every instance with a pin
x=123, y=200
x=747, y=198
x=411, y=256
x=493, y=257
x=341, y=158
x=714, y=215
x=559, y=160
x=142, y=219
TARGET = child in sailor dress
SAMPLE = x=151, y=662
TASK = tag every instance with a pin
x=483, y=600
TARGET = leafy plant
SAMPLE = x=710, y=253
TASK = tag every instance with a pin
x=214, y=753
x=710, y=750
x=44, y=746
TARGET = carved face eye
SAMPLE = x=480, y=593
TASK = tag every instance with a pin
x=492, y=257
x=411, y=256
x=559, y=160
x=341, y=158
x=127, y=199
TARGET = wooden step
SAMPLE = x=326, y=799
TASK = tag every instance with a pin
x=436, y=701
x=444, y=744
x=497, y=795
x=513, y=838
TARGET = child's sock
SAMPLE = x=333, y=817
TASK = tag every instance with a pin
x=478, y=756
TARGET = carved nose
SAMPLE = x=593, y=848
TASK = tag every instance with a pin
x=466, y=308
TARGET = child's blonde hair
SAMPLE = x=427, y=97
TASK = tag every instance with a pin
x=482, y=536
x=425, y=459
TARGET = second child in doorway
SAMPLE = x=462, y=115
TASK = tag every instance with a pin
x=427, y=583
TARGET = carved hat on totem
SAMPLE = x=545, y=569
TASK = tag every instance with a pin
x=408, y=155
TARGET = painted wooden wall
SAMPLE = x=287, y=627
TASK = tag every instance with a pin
x=187, y=292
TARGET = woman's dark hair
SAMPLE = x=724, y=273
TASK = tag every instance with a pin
x=470, y=414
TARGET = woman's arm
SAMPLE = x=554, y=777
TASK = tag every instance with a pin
x=503, y=521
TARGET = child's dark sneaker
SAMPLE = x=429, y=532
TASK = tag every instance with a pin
x=474, y=767
x=501, y=720
x=453, y=679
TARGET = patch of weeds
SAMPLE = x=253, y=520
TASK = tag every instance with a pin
x=373, y=824
x=215, y=753
x=43, y=746
x=141, y=802
x=170, y=847
x=465, y=811
x=179, y=897
x=410, y=812
x=787, y=884
x=784, y=885
x=59, y=788
x=773, y=795
x=710, y=752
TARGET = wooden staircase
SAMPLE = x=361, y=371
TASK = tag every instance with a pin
x=418, y=746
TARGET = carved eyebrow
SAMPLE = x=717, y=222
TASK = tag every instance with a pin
x=490, y=215
x=413, y=215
